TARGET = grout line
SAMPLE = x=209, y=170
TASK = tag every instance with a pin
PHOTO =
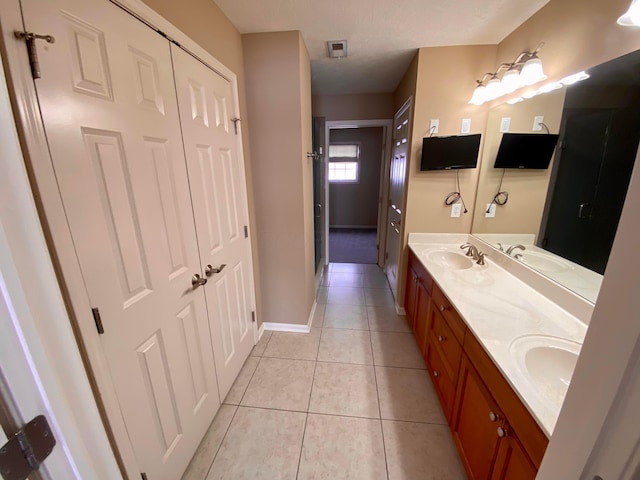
x=304, y=432
x=224, y=437
x=249, y=382
x=384, y=447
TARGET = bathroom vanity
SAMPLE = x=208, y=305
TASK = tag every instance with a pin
x=499, y=353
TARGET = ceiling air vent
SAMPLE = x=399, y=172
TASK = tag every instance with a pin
x=337, y=49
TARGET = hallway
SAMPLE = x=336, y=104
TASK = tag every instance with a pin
x=350, y=399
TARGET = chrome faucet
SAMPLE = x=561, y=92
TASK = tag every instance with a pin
x=500, y=246
x=513, y=247
x=472, y=250
x=474, y=253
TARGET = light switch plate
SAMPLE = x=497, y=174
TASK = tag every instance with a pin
x=456, y=209
x=536, y=123
x=433, y=126
x=490, y=211
x=505, y=124
x=465, y=127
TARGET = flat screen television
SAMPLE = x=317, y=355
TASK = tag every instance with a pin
x=526, y=150
x=448, y=153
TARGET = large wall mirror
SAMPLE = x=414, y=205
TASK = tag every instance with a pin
x=561, y=221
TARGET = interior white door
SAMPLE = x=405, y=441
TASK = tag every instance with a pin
x=216, y=175
x=397, y=179
x=109, y=108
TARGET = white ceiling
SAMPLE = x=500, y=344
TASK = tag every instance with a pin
x=382, y=35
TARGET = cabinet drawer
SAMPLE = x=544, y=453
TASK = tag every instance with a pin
x=445, y=341
x=454, y=321
x=443, y=383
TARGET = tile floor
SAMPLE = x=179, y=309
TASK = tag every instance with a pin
x=350, y=399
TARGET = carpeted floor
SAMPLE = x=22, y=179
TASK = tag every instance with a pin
x=353, y=245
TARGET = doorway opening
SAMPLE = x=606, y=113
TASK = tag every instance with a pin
x=356, y=188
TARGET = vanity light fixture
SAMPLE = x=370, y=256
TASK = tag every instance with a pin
x=526, y=69
x=575, y=78
x=632, y=17
x=513, y=101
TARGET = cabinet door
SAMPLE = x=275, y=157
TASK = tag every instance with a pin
x=476, y=419
x=512, y=462
x=422, y=314
x=411, y=296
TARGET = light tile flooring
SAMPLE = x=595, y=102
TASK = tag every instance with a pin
x=350, y=399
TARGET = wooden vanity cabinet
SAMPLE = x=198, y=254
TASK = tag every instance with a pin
x=496, y=436
x=418, y=300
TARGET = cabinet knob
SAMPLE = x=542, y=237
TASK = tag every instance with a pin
x=493, y=417
x=436, y=373
x=502, y=432
x=440, y=338
x=442, y=308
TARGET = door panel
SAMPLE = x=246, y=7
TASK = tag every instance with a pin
x=397, y=179
x=109, y=108
x=218, y=194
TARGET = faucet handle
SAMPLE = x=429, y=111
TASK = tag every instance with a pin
x=501, y=247
x=470, y=248
x=481, y=256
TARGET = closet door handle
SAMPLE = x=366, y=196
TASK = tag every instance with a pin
x=197, y=281
x=209, y=270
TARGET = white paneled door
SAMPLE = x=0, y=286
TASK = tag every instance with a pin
x=108, y=102
x=397, y=179
x=216, y=175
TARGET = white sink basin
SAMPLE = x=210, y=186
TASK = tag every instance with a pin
x=449, y=259
x=547, y=363
x=544, y=263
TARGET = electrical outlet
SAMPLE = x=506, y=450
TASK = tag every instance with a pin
x=536, y=123
x=505, y=124
x=465, y=127
x=433, y=126
x=490, y=212
x=456, y=209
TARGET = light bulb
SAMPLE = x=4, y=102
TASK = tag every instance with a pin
x=494, y=88
x=510, y=80
x=575, y=78
x=632, y=17
x=532, y=71
x=479, y=95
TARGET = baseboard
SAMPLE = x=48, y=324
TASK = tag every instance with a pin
x=260, y=332
x=363, y=227
x=400, y=310
x=286, y=327
x=312, y=314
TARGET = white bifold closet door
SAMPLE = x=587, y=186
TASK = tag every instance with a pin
x=110, y=112
x=216, y=175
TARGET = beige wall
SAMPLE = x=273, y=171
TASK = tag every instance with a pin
x=366, y=106
x=356, y=204
x=577, y=34
x=205, y=23
x=407, y=85
x=445, y=77
x=278, y=91
x=307, y=174
x=527, y=188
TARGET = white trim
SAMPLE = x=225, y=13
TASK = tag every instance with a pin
x=400, y=310
x=54, y=219
x=312, y=314
x=286, y=327
x=260, y=332
x=387, y=126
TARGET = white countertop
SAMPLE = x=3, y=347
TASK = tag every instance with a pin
x=504, y=313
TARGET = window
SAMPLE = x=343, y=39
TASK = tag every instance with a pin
x=344, y=163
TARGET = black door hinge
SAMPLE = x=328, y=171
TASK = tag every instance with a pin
x=246, y=232
x=253, y=316
x=235, y=121
x=26, y=450
x=144, y=476
x=98, y=320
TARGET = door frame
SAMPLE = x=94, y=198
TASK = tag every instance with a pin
x=383, y=192
x=52, y=215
